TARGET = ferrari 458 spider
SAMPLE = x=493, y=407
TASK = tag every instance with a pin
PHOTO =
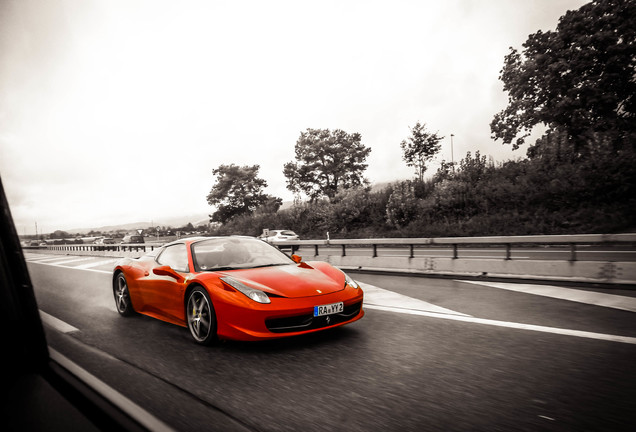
x=235, y=288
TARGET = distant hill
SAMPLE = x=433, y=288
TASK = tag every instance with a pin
x=128, y=227
x=194, y=219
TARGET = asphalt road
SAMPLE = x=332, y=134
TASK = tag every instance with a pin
x=492, y=359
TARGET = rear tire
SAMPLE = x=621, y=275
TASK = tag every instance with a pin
x=122, y=296
x=201, y=317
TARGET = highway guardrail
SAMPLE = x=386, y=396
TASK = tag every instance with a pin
x=506, y=266
x=573, y=269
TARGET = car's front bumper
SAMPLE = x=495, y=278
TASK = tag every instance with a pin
x=285, y=317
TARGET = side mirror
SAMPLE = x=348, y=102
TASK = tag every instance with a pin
x=167, y=271
x=299, y=260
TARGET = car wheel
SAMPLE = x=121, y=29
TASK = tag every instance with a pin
x=201, y=317
x=122, y=296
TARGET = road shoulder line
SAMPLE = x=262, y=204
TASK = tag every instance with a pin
x=507, y=324
x=588, y=297
x=71, y=267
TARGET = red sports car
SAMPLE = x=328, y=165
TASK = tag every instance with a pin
x=235, y=288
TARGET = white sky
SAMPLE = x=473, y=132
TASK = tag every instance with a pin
x=117, y=111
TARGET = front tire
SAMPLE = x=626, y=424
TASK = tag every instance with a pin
x=201, y=317
x=122, y=296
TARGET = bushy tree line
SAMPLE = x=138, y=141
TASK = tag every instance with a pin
x=351, y=213
x=539, y=195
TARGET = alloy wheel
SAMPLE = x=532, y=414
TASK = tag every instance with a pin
x=200, y=315
x=122, y=296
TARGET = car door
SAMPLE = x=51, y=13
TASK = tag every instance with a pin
x=164, y=294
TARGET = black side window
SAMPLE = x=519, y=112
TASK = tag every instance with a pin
x=176, y=257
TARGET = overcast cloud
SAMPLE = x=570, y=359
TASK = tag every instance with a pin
x=117, y=111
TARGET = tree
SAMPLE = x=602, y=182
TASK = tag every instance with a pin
x=237, y=191
x=326, y=162
x=58, y=234
x=445, y=171
x=578, y=79
x=471, y=169
x=402, y=207
x=270, y=205
x=420, y=148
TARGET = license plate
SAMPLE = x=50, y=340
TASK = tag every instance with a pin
x=329, y=309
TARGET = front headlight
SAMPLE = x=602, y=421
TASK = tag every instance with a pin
x=351, y=282
x=254, y=294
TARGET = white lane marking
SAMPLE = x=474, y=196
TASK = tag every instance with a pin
x=589, y=297
x=519, y=326
x=95, y=264
x=381, y=297
x=56, y=323
x=49, y=258
x=71, y=267
x=68, y=261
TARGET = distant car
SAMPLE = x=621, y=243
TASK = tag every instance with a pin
x=34, y=243
x=104, y=240
x=235, y=288
x=43, y=244
x=279, y=235
x=132, y=239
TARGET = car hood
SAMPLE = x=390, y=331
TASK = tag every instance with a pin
x=291, y=281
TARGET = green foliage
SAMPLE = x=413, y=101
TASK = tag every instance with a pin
x=472, y=169
x=578, y=79
x=444, y=171
x=402, y=207
x=523, y=197
x=270, y=205
x=326, y=163
x=58, y=234
x=237, y=191
x=352, y=213
x=420, y=148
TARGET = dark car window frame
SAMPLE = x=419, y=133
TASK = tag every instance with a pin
x=36, y=378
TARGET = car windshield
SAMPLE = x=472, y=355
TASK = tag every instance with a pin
x=235, y=253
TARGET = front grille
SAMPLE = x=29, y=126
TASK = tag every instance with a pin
x=310, y=322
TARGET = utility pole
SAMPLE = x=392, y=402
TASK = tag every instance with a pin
x=452, y=157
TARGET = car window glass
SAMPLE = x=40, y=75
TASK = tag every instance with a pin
x=175, y=256
x=235, y=253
